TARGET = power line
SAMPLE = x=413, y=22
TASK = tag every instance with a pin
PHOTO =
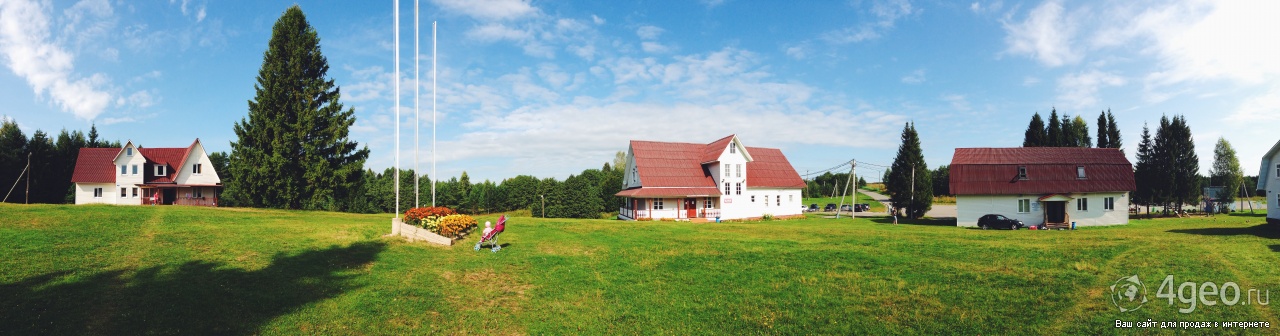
x=846, y=163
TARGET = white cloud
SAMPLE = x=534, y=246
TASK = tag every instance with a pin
x=489, y=9
x=649, y=32
x=1030, y=81
x=886, y=12
x=496, y=32
x=711, y=3
x=799, y=51
x=992, y=7
x=1081, y=89
x=958, y=102
x=1046, y=35
x=369, y=84
x=1234, y=40
x=25, y=41
x=915, y=77
x=654, y=47
x=1263, y=108
x=597, y=20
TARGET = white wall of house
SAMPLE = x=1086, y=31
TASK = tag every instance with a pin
x=970, y=207
x=1273, y=188
x=84, y=193
x=186, y=174
x=781, y=202
x=630, y=176
x=135, y=168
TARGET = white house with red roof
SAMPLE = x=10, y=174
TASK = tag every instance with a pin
x=133, y=175
x=1042, y=185
x=723, y=179
x=1269, y=182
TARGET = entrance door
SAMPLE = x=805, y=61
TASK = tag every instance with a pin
x=170, y=194
x=691, y=206
x=1055, y=212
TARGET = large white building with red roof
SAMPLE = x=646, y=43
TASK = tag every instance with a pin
x=1055, y=186
x=723, y=179
x=133, y=175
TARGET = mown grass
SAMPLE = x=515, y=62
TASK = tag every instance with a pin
x=822, y=201
x=184, y=270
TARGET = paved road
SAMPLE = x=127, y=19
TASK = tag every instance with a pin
x=937, y=211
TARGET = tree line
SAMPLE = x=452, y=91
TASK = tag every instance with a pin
x=1071, y=132
x=53, y=160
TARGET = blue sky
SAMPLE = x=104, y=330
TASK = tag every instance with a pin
x=550, y=88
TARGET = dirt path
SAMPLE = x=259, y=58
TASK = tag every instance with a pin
x=938, y=211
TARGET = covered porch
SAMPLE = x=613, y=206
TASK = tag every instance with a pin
x=1056, y=215
x=180, y=194
x=669, y=203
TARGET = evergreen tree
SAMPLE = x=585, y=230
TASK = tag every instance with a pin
x=577, y=197
x=1035, y=135
x=93, y=137
x=941, y=181
x=1144, y=171
x=1226, y=171
x=1104, y=134
x=44, y=188
x=463, y=190
x=1113, y=132
x=1081, y=128
x=862, y=182
x=68, y=148
x=293, y=150
x=909, y=169
x=1053, y=137
x=13, y=155
x=1178, y=166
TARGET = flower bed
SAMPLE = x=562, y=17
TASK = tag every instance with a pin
x=441, y=221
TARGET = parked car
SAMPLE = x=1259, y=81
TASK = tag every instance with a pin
x=813, y=207
x=829, y=207
x=994, y=221
x=862, y=207
x=846, y=207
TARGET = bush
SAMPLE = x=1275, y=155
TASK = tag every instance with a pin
x=766, y=217
x=453, y=225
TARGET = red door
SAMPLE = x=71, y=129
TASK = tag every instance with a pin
x=691, y=205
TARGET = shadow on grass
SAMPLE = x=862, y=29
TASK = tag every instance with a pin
x=921, y=221
x=1260, y=230
x=196, y=297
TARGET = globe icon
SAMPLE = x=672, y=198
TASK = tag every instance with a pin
x=1128, y=293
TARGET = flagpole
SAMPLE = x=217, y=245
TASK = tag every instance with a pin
x=395, y=104
x=416, y=92
x=433, y=113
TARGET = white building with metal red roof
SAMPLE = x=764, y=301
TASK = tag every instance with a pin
x=723, y=179
x=132, y=175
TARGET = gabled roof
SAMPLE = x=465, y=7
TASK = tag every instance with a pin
x=171, y=157
x=994, y=171
x=95, y=165
x=678, y=169
x=1265, y=170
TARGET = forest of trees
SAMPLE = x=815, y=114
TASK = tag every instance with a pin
x=1071, y=132
x=53, y=160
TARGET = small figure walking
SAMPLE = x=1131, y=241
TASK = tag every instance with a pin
x=895, y=215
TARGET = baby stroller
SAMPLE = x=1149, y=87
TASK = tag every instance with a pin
x=492, y=237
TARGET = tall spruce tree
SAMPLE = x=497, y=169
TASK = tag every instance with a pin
x=13, y=155
x=1178, y=165
x=1144, y=170
x=1035, y=135
x=910, y=159
x=293, y=150
x=1113, y=132
x=1069, y=133
x=1053, y=136
x=1104, y=134
x=1226, y=171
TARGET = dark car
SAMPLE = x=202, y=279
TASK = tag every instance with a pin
x=994, y=221
x=813, y=207
x=862, y=207
x=829, y=207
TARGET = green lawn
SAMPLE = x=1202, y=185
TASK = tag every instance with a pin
x=822, y=202
x=184, y=270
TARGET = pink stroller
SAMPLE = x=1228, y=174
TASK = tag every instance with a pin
x=492, y=237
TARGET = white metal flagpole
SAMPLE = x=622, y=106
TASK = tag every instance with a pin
x=416, y=92
x=433, y=113
x=396, y=103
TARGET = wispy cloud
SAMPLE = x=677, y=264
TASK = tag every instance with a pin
x=489, y=9
x=886, y=13
x=48, y=68
x=649, y=32
x=1081, y=89
x=915, y=77
x=1046, y=35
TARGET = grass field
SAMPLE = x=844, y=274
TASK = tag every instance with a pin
x=822, y=202
x=183, y=270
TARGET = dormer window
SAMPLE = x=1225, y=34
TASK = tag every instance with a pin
x=1080, y=172
x=128, y=151
x=732, y=148
x=1022, y=172
x=160, y=170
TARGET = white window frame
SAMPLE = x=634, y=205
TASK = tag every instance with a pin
x=97, y=192
x=739, y=169
x=777, y=200
x=128, y=151
x=197, y=192
x=135, y=170
x=726, y=170
x=708, y=203
x=1278, y=171
x=1022, y=172
x=124, y=170
x=753, y=198
x=124, y=192
x=197, y=169
x=1082, y=204
x=733, y=149
x=160, y=170
x=726, y=188
x=135, y=192
x=1080, y=175
x=738, y=187
x=1109, y=204
x=1024, y=205
x=657, y=204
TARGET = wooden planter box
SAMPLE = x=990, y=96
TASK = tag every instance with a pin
x=414, y=233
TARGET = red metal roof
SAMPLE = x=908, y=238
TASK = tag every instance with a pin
x=676, y=169
x=994, y=171
x=771, y=169
x=94, y=165
x=171, y=157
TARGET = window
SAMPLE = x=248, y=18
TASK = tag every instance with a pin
x=1022, y=172
x=738, y=186
x=726, y=188
x=1278, y=171
x=708, y=203
x=657, y=204
x=739, y=170
x=197, y=192
x=732, y=149
x=196, y=168
x=124, y=169
x=1109, y=204
x=160, y=170
x=778, y=200
x=97, y=192
x=128, y=151
x=1024, y=206
x=766, y=200
x=753, y=198
x=791, y=198
x=135, y=169
x=726, y=170
x=123, y=192
x=1082, y=204
x=1080, y=172
x=135, y=192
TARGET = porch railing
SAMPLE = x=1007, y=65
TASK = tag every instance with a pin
x=197, y=201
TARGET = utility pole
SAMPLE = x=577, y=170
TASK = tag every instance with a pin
x=28, y=197
x=846, y=190
x=544, y=205
x=913, y=191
